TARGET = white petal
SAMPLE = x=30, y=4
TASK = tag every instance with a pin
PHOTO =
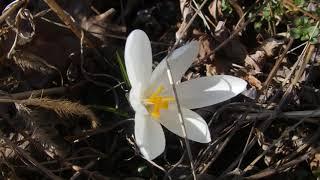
x=138, y=59
x=197, y=128
x=135, y=97
x=180, y=60
x=149, y=136
x=207, y=91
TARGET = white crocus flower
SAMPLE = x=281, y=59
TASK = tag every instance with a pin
x=152, y=97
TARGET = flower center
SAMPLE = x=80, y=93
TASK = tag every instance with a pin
x=156, y=102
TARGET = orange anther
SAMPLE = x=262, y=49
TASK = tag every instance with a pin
x=157, y=102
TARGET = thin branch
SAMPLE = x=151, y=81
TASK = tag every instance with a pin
x=20, y=151
x=270, y=171
x=68, y=20
x=277, y=65
x=11, y=9
x=173, y=85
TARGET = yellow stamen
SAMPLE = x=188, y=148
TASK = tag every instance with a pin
x=156, y=102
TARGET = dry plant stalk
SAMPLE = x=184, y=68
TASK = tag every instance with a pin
x=63, y=108
x=27, y=61
x=31, y=62
x=11, y=10
x=67, y=19
x=29, y=158
x=169, y=74
x=290, y=5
